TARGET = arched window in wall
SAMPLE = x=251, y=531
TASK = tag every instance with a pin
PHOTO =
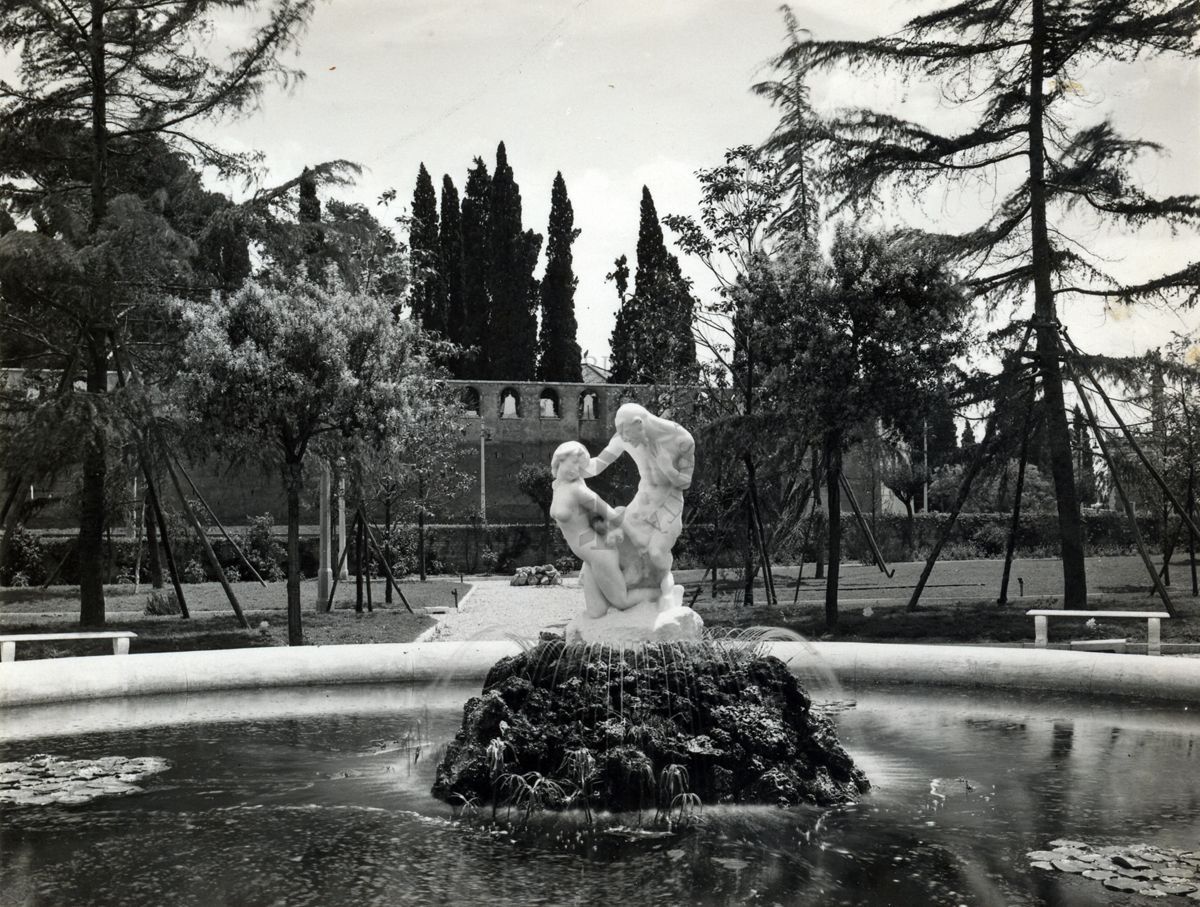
x=548, y=404
x=470, y=400
x=589, y=406
x=510, y=404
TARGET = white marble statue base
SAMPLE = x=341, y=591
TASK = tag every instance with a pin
x=647, y=622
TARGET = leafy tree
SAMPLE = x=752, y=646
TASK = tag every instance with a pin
x=477, y=259
x=512, y=325
x=424, y=243
x=273, y=373
x=412, y=474
x=537, y=484
x=558, y=350
x=124, y=73
x=652, y=341
x=450, y=264
x=1013, y=67
x=866, y=335
x=968, y=435
x=741, y=204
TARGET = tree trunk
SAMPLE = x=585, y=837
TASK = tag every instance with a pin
x=1058, y=433
x=153, y=555
x=91, y=504
x=748, y=561
x=295, y=482
x=421, y=541
x=833, y=496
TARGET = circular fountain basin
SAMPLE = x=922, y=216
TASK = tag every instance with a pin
x=320, y=795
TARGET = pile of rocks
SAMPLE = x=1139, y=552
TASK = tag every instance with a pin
x=541, y=575
x=1135, y=868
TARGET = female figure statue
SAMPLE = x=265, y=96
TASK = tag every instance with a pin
x=592, y=531
x=665, y=456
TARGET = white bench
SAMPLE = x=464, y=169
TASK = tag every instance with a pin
x=120, y=638
x=1153, y=619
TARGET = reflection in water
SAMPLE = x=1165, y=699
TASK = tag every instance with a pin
x=332, y=809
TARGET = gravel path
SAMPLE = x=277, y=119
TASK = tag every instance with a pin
x=496, y=610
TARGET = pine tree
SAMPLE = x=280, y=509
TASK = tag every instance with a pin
x=477, y=259
x=652, y=338
x=558, y=350
x=513, y=322
x=124, y=73
x=427, y=297
x=1015, y=66
x=450, y=264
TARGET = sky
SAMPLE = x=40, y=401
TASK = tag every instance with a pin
x=617, y=94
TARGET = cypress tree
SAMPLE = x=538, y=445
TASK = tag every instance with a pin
x=309, y=215
x=513, y=322
x=477, y=258
x=426, y=293
x=652, y=340
x=450, y=263
x=558, y=348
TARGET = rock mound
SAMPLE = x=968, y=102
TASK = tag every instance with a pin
x=634, y=728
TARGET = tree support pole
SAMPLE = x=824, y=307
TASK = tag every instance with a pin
x=196, y=491
x=386, y=566
x=982, y=454
x=1133, y=444
x=337, y=573
x=866, y=530
x=1120, y=489
x=161, y=520
x=1015, y=525
x=760, y=536
x=209, y=554
x=156, y=506
x=356, y=529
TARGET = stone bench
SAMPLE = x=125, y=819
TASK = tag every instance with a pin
x=120, y=638
x=1153, y=619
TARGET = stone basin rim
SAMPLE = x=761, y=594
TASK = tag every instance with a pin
x=854, y=664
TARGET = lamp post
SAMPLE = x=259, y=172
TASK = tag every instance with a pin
x=484, y=436
x=343, y=573
x=325, y=571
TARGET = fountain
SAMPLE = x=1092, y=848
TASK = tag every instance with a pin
x=634, y=708
x=263, y=791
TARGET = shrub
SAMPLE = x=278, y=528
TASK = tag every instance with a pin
x=162, y=602
x=265, y=552
x=194, y=572
x=25, y=558
x=568, y=563
x=489, y=558
x=19, y=580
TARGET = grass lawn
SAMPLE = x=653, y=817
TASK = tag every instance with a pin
x=212, y=624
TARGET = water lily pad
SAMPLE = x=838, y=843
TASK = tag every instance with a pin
x=1099, y=874
x=1176, y=888
x=1070, y=866
x=1043, y=855
x=1042, y=864
x=1119, y=884
x=45, y=779
x=1129, y=861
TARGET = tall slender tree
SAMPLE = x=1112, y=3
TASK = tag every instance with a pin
x=427, y=296
x=477, y=258
x=514, y=252
x=313, y=238
x=450, y=263
x=1015, y=66
x=124, y=72
x=558, y=349
x=652, y=340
